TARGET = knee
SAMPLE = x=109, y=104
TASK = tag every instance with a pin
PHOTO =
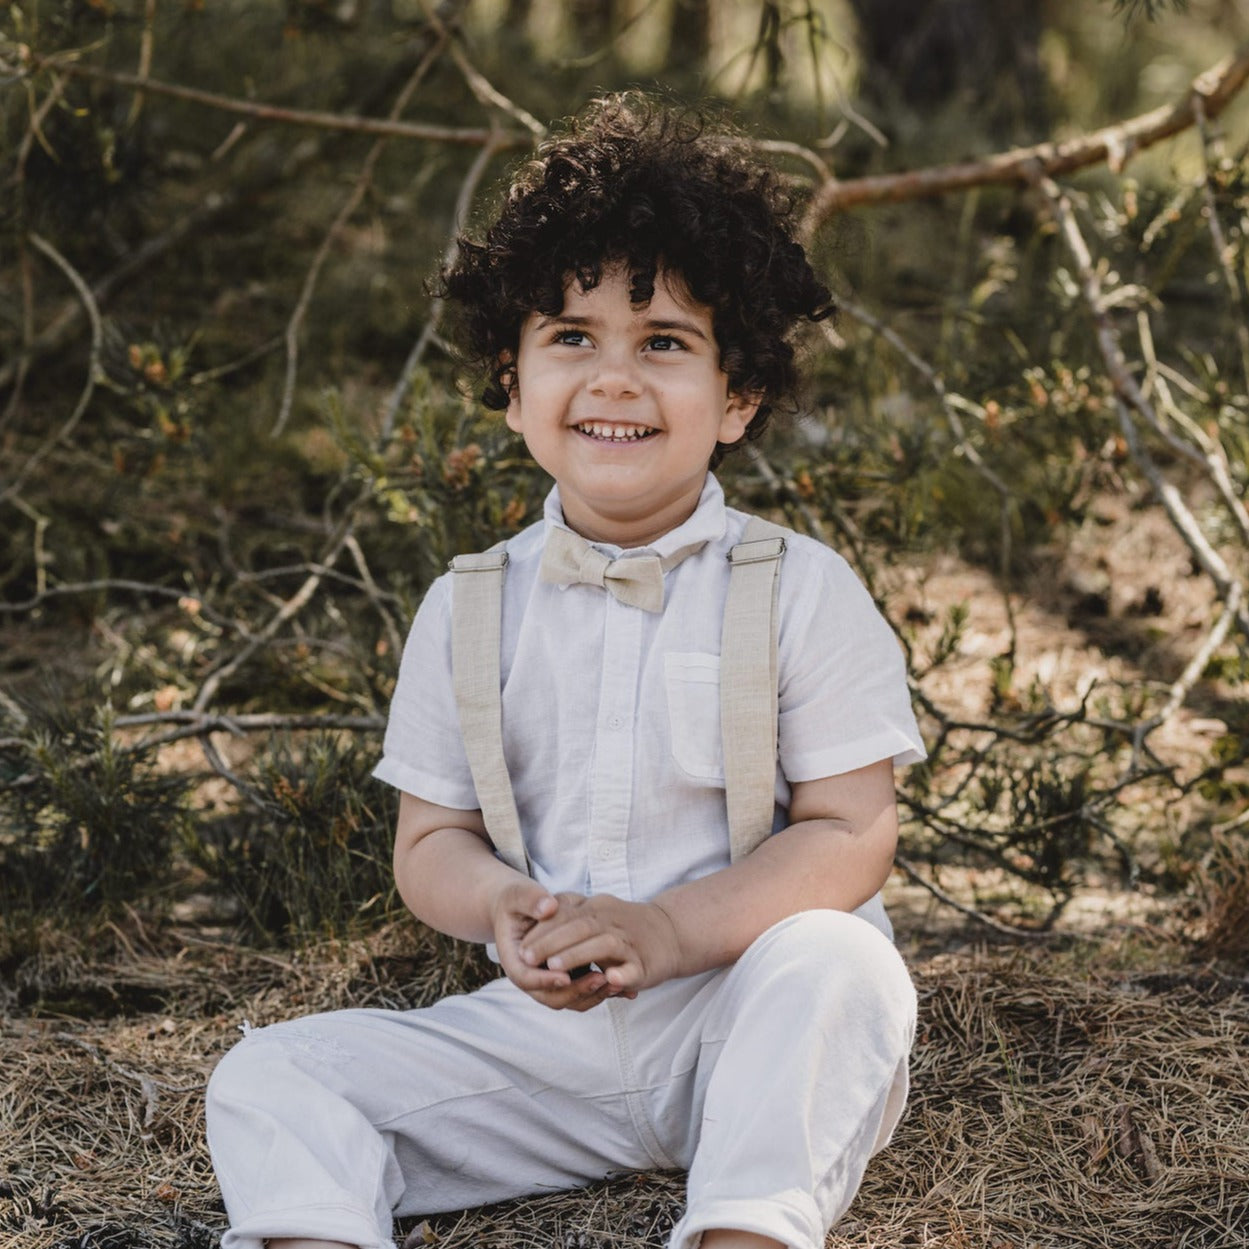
x=838, y=960
x=261, y=1066
x=238, y=1077
x=827, y=939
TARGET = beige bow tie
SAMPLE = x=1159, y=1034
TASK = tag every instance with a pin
x=568, y=559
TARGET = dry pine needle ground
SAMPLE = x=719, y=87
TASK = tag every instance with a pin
x=1054, y=1104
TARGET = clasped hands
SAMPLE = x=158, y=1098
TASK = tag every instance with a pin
x=543, y=938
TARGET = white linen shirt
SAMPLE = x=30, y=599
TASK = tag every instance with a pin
x=611, y=714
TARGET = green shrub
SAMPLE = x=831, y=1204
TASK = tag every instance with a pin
x=310, y=855
x=85, y=822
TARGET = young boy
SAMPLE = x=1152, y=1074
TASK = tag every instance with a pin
x=664, y=1003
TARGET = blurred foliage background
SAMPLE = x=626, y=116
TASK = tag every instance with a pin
x=234, y=450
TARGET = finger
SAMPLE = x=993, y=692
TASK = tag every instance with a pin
x=579, y=995
x=529, y=899
x=602, y=948
x=624, y=977
x=589, y=1004
x=558, y=937
x=517, y=913
x=541, y=983
x=536, y=979
x=589, y=998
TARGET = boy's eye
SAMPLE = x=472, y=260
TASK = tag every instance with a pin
x=665, y=342
x=572, y=338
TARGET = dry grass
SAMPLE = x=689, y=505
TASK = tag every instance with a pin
x=1056, y=1103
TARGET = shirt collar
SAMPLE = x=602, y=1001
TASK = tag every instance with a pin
x=706, y=523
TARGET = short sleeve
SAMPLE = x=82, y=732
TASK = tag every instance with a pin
x=423, y=750
x=844, y=701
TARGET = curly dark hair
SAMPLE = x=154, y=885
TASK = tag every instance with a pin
x=632, y=182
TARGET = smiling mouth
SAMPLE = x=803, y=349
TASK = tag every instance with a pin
x=606, y=432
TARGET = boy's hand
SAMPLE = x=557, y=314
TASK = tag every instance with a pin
x=520, y=907
x=634, y=944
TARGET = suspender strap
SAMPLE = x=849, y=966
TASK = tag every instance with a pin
x=748, y=692
x=748, y=677
x=476, y=627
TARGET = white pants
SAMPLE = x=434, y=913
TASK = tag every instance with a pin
x=773, y=1081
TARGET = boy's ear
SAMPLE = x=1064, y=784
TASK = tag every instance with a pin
x=506, y=374
x=739, y=411
x=512, y=412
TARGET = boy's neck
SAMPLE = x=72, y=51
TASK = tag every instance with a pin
x=628, y=532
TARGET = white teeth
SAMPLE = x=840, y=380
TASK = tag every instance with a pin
x=615, y=433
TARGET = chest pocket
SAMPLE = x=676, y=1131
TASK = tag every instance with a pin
x=692, y=684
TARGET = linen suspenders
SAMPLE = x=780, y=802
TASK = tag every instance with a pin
x=476, y=637
x=748, y=688
x=748, y=676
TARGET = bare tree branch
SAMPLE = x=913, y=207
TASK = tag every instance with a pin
x=485, y=91
x=950, y=405
x=781, y=147
x=1182, y=687
x=147, y=42
x=288, y=610
x=1130, y=399
x=223, y=769
x=1113, y=145
x=65, y=323
x=601, y=54
x=41, y=523
x=215, y=205
x=26, y=282
x=946, y=899
x=1222, y=252
x=34, y=132
x=1204, y=451
x=181, y=596
x=198, y=724
x=815, y=526
x=363, y=181
x=344, y=123
x=393, y=635
x=93, y=365
x=399, y=393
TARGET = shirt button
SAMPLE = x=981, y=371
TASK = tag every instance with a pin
x=602, y=851
x=615, y=722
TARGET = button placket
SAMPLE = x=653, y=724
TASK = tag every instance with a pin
x=611, y=789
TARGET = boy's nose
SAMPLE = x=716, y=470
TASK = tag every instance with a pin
x=614, y=377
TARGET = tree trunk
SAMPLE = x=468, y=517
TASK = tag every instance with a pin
x=690, y=37
x=593, y=21
x=922, y=55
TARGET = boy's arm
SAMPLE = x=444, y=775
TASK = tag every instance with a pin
x=448, y=875
x=835, y=854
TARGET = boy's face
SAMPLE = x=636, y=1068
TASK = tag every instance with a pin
x=623, y=406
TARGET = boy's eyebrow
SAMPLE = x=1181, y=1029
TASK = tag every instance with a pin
x=687, y=327
x=572, y=319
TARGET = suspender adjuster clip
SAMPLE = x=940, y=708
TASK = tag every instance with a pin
x=757, y=551
x=483, y=561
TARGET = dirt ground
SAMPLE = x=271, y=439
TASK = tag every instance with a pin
x=1083, y=1092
